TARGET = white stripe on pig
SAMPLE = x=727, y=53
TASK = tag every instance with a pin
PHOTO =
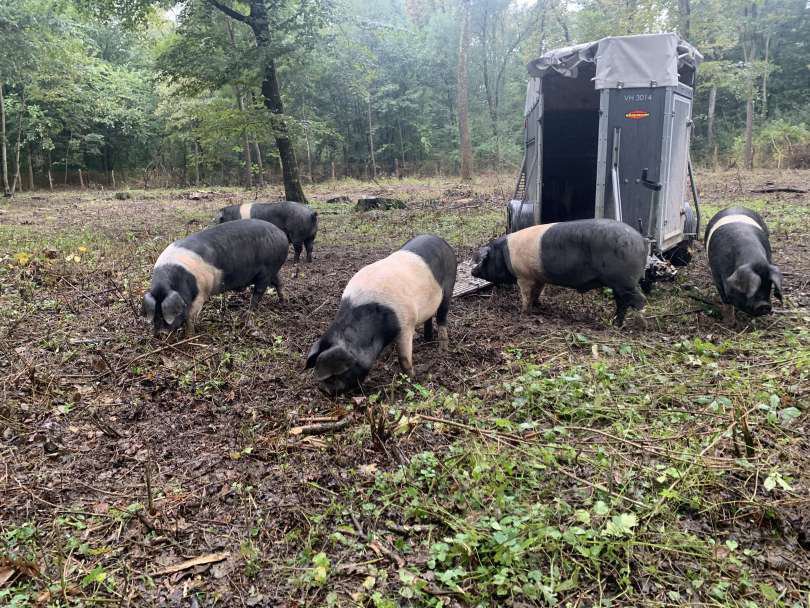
x=731, y=219
x=208, y=277
x=244, y=210
x=404, y=282
x=524, y=251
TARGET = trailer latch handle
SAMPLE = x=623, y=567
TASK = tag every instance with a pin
x=654, y=186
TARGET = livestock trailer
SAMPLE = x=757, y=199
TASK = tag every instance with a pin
x=606, y=128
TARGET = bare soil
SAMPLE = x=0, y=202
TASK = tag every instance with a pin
x=97, y=416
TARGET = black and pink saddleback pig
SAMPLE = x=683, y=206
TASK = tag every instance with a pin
x=298, y=221
x=226, y=257
x=739, y=255
x=383, y=303
x=583, y=254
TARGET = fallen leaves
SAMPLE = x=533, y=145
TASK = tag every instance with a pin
x=209, y=558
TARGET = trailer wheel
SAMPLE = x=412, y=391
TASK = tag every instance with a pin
x=680, y=255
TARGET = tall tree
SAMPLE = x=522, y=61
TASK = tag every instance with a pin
x=268, y=19
x=6, y=188
x=463, y=102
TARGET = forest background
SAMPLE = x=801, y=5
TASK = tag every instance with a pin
x=222, y=92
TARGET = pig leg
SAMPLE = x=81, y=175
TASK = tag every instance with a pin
x=526, y=286
x=530, y=291
x=309, y=244
x=259, y=287
x=405, y=350
x=441, y=321
x=429, y=330
x=193, y=313
x=627, y=298
x=275, y=281
x=729, y=314
x=297, y=247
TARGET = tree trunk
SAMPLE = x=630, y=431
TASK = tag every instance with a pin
x=710, y=117
x=749, y=108
x=18, y=145
x=488, y=86
x=334, y=176
x=401, y=145
x=749, y=129
x=50, y=175
x=764, y=111
x=462, y=101
x=259, y=164
x=309, y=156
x=112, y=178
x=81, y=179
x=196, y=163
x=371, y=142
x=6, y=189
x=240, y=102
x=289, y=164
x=272, y=101
x=685, y=17
x=258, y=21
x=67, y=153
x=30, y=168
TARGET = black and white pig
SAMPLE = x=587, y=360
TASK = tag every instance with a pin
x=298, y=221
x=226, y=257
x=739, y=255
x=583, y=254
x=384, y=303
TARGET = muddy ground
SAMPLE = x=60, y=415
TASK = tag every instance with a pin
x=123, y=455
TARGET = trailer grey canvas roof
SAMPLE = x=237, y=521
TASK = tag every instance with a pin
x=606, y=134
x=623, y=61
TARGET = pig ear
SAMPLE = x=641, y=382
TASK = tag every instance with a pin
x=312, y=357
x=482, y=254
x=333, y=362
x=171, y=307
x=776, y=279
x=745, y=280
x=148, y=307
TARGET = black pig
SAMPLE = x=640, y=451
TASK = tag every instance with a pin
x=383, y=303
x=583, y=254
x=739, y=255
x=226, y=257
x=299, y=222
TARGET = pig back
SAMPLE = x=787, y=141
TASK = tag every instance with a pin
x=577, y=253
x=240, y=250
x=402, y=282
x=298, y=221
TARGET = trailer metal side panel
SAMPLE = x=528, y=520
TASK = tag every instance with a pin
x=675, y=193
x=602, y=153
x=636, y=113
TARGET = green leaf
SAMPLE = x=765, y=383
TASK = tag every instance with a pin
x=768, y=592
x=789, y=414
x=95, y=577
x=583, y=516
x=600, y=508
x=621, y=525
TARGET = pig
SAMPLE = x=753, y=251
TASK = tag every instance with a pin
x=739, y=255
x=299, y=222
x=225, y=257
x=381, y=304
x=583, y=254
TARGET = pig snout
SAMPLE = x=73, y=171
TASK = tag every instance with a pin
x=762, y=308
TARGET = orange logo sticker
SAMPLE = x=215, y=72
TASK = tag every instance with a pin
x=637, y=114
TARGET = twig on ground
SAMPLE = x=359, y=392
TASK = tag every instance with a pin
x=148, y=476
x=322, y=428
